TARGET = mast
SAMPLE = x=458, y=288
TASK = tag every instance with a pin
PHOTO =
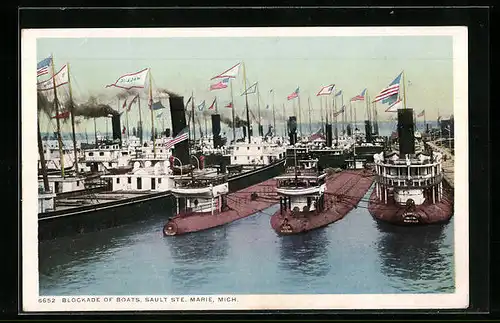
x=246, y=101
x=232, y=111
x=58, y=123
x=42, y=157
x=300, y=115
x=192, y=117
x=140, y=117
x=343, y=112
x=284, y=122
x=152, y=116
x=321, y=113
x=274, y=117
x=310, y=124
x=206, y=128
x=72, y=120
x=336, y=123
x=126, y=120
x=95, y=133
x=258, y=109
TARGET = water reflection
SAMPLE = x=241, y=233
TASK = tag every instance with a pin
x=416, y=256
x=305, y=254
x=197, y=256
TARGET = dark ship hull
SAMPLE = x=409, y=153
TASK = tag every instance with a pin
x=104, y=215
x=343, y=192
x=238, y=181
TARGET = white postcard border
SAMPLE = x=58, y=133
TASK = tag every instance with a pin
x=30, y=281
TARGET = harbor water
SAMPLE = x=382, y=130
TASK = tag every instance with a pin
x=354, y=255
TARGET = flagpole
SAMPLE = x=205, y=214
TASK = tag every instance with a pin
x=56, y=104
x=232, y=110
x=343, y=112
x=274, y=116
x=192, y=117
x=284, y=123
x=246, y=101
x=321, y=112
x=72, y=119
x=258, y=109
x=140, y=117
x=336, y=120
x=310, y=124
x=216, y=105
x=152, y=116
x=300, y=114
x=42, y=157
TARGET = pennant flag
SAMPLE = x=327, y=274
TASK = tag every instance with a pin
x=421, y=114
x=340, y=111
x=229, y=105
x=130, y=81
x=60, y=78
x=42, y=67
x=326, y=90
x=338, y=93
x=159, y=114
x=360, y=97
x=157, y=106
x=123, y=130
x=394, y=107
x=389, y=91
x=62, y=115
x=212, y=106
x=220, y=85
x=133, y=101
x=181, y=136
x=293, y=95
x=201, y=106
x=124, y=105
x=231, y=73
x=252, y=89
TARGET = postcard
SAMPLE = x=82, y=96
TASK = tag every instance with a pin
x=244, y=169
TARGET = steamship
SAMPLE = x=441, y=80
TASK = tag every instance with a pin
x=409, y=186
x=311, y=198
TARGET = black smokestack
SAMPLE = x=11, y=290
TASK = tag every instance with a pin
x=261, y=130
x=250, y=130
x=178, y=116
x=292, y=129
x=117, y=132
x=406, y=132
x=368, y=131
x=216, y=130
x=349, y=130
x=244, y=132
x=375, y=128
x=329, y=135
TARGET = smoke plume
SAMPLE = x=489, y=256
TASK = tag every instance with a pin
x=238, y=123
x=91, y=109
x=170, y=93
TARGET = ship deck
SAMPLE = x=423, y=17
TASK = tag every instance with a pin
x=448, y=165
x=88, y=199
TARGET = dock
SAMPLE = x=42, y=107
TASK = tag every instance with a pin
x=448, y=164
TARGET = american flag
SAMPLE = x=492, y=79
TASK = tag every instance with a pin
x=220, y=85
x=42, y=67
x=229, y=105
x=293, y=95
x=181, y=136
x=421, y=114
x=389, y=91
x=359, y=97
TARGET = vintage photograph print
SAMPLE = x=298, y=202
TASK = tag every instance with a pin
x=244, y=169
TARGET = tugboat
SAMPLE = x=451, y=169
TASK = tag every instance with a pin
x=409, y=186
x=312, y=198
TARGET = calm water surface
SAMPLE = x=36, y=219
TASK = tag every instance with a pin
x=354, y=255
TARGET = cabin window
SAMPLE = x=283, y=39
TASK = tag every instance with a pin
x=248, y=157
x=234, y=157
x=153, y=183
x=161, y=150
x=139, y=183
x=77, y=183
x=117, y=180
x=91, y=154
x=129, y=179
x=159, y=180
x=110, y=164
x=237, y=148
x=261, y=157
x=248, y=148
x=258, y=148
x=101, y=153
x=45, y=151
x=124, y=153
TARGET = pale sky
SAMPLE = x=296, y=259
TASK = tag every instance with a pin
x=183, y=65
